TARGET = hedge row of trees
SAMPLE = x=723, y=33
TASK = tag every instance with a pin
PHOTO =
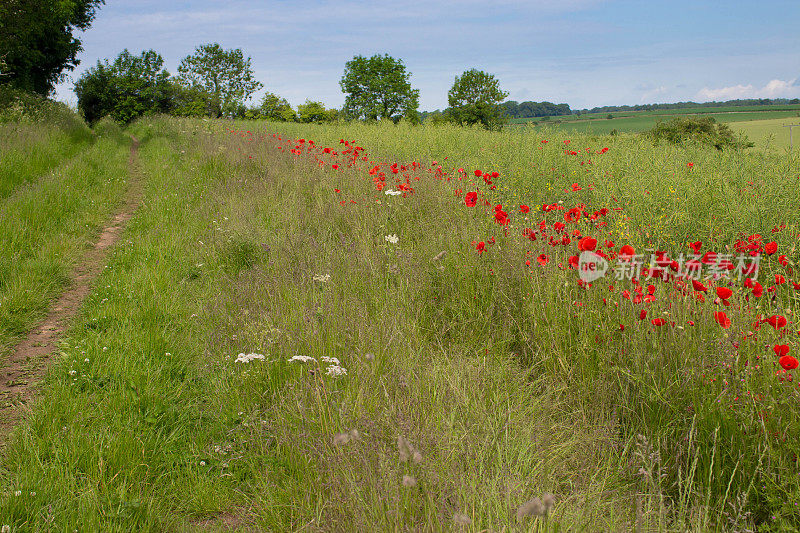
x=216, y=82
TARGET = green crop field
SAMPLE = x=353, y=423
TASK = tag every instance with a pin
x=638, y=121
x=771, y=134
x=354, y=327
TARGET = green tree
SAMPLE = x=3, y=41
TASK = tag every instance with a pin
x=273, y=107
x=475, y=98
x=36, y=40
x=315, y=112
x=378, y=88
x=225, y=75
x=129, y=87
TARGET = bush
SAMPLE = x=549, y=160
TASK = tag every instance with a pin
x=20, y=106
x=706, y=131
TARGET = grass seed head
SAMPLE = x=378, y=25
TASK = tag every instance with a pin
x=533, y=507
x=409, y=481
x=462, y=519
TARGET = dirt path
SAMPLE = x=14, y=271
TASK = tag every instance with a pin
x=31, y=357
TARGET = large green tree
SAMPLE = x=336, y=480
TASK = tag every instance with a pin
x=129, y=87
x=378, y=88
x=475, y=98
x=37, y=42
x=224, y=75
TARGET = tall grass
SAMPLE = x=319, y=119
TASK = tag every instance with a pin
x=475, y=383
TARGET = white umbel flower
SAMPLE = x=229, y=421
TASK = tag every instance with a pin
x=392, y=238
x=246, y=358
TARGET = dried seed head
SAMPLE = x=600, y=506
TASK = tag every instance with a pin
x=533, y=507
x=440, y=255
x=548, y=500
x=340, y=439
x=369, y=356
x=404, y=448
x=462, y=519
x=409, y=481
x=354, y=434
x=417, y=457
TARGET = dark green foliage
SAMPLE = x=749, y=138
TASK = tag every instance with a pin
x=224, y=78
x=315, y=112
x=703, y=130
x=130, y=87
x=36, y=41
x=535, y=109
x=273, y=107
x=378, y=88
x=475, y=98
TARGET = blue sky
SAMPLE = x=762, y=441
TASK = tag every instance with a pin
x=586, y=53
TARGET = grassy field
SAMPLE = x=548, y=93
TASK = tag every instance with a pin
x=771, y=134
x=54, y=198
x=638, y=121
x=312, y=328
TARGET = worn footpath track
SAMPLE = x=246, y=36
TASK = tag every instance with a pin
x=31, y=357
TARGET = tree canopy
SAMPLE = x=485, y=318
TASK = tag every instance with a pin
x=273, y=107
x=37, y=42
x=378, y=88
x=225, y=76
x=129, y=87
x=475, y=98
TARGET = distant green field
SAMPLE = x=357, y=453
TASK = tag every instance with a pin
x=638, y=121
x=770, y=134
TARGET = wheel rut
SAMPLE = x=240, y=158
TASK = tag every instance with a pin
x=31, y=357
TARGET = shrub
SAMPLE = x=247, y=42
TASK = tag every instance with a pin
x=706, y=131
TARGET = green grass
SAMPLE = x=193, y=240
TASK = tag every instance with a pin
x=510, y=380
x=48, y=223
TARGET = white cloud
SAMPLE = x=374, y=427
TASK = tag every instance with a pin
x=773, y=89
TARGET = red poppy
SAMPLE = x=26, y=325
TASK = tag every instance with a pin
x=587, y=244
x=471, y=199
x=478, y=173
x=642, y=314
x=481, y=247
x=699, y=286
x=658, y=321
x=780, y=349
x=758, y=290
x=572, y=215
x=524, y=209
x=770, y=248
x=777, y=321
x=543, y=259
x=722, y=319
x=501, y=217
x=627, y=251
x=724, y=292
x=783, y=260
x=788, y=362
x=573, y=261
x=779, y=280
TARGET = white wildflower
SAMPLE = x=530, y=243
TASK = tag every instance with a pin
x=73, y=372
x=322, y=278
x=202, y=463
x=18, y=493
x=5, y=529
x=392, y=192
x=392, y=238
x=246, y=358
x=301, y=359
x=336, y=371
x=331, y=360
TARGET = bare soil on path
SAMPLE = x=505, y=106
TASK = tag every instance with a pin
x=31, y=357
